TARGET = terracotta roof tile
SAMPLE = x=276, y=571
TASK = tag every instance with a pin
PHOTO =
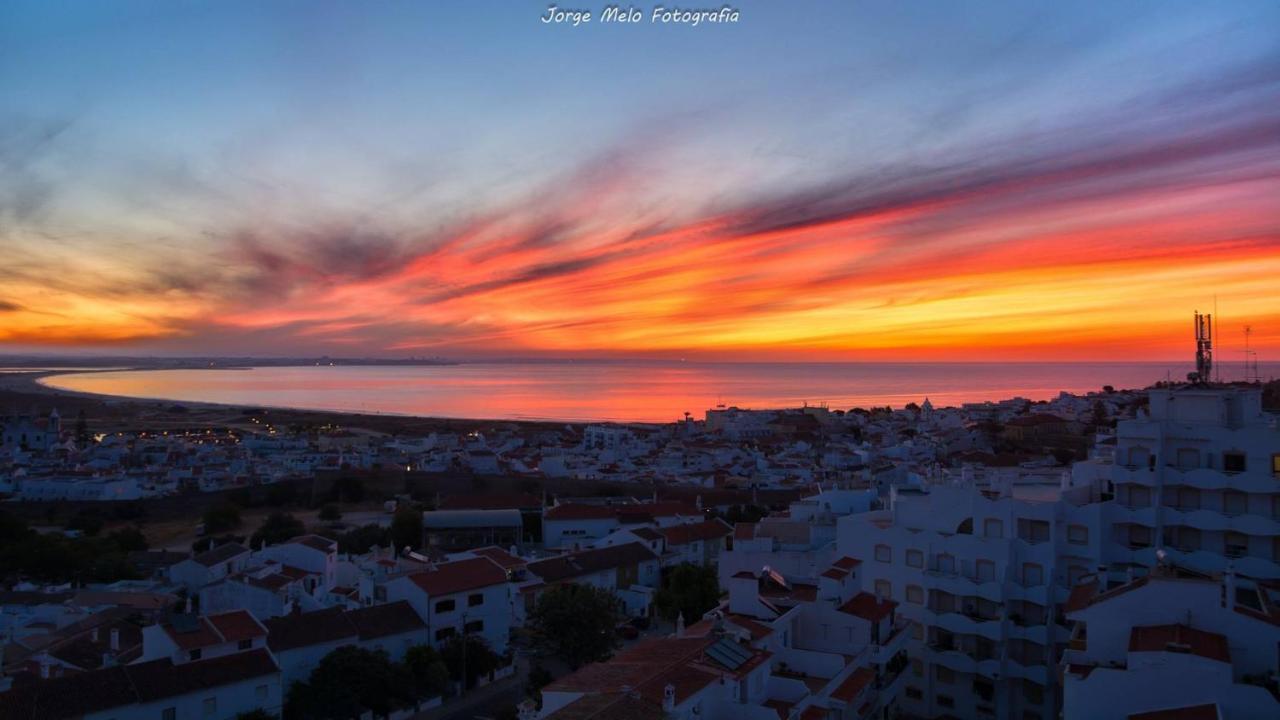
x=868, y=607
x=459, y=576
x=1179, y=638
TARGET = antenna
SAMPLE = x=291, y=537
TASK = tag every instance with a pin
x=1251, y=373
x=1217, y=375
x=1204, y=348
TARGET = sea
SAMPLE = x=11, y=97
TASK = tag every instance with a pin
x=617, y=391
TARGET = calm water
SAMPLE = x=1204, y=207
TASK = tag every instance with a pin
x=633, y=391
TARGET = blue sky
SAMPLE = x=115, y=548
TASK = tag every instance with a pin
x=141, y=139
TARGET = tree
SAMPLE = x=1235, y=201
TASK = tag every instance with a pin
x=221, y=518
x=362, y=539
x=406, y=528
x=576, y=622
x=330, y=513
x=88, y=522
x=129, y=539
x=349, y=682
x=471, y=654
x=688, y=589
x=430, y=673
x=347, y=489
x=277, y=528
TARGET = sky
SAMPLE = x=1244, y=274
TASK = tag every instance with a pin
x=849, y=180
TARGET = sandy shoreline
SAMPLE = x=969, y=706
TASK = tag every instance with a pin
x=24, y=392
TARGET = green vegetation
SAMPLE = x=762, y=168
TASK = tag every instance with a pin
x=469, y=653
x=351, y=681
x=56, y=558
x=689, y=589
x=406, y=528
x=330, y=513
x=362, y=539
x=576, y=623
x=277, y=528
x=221, y=518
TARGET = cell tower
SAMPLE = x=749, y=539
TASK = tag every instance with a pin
x=1204, y=347
x=1251, y=373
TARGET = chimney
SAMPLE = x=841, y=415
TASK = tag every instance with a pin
x=680, y=625
x=669, y=698
x=115, y=640
x=93, y=635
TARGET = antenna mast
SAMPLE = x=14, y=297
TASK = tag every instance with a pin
x=1251, y=373
x=1204, y=348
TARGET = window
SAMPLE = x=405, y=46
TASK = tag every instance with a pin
x=946, y=701
x=474, y=626
x=475, y=599
x=944, y=674
x=1188, y=498
x=195, y=654
x=260, y=692
x=445, y=606
x=1139, y=536
x=445, y=633
x=947, y=563
x=915, y=594
x=245, y=644
x=210, y=706
x=884, y=554
x=1139, y=497
x=884, y=589
x=917, y=668
x=1077, y=534
x=914, y=693
x=1032, y=574
x=986, y=570
x=1234, y=502
x=917, y=631
x=1033, y=531
x=992, y=528
x=1233, y=461
x=1236, y=544
x=915, y=559
x=169, y=714
x=1275, y=465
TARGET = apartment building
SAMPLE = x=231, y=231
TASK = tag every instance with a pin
x=1196, y=475
x=1173, y=643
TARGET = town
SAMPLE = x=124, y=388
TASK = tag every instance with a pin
x=1113, y=554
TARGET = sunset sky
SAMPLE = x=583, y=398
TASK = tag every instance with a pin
x=822, y=180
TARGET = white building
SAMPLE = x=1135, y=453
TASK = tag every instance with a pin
x=1172, y=642
x=463, y=596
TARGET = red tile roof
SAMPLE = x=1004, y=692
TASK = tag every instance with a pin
x=1179, y=638
x=502, y=557
x=685, y=533
x=868, y=607
x=852, y=685
x=459, y=576
x=237, y=625
x=744, y=531
x=636, y=512
x=847, y=563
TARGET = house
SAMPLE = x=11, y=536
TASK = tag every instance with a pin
x=567, y=524
x=187, y=638
x=462, y=596
x=210, y=566
x=697, y=543
x=301, y=640
x=631, y=571
x=221, y=687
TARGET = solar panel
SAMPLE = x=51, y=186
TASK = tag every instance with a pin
x=729, y=654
